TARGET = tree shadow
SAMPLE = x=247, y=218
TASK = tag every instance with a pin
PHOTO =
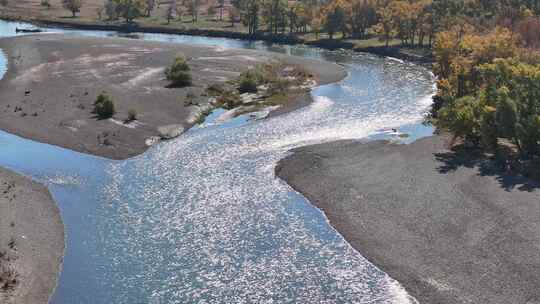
x=471, y=158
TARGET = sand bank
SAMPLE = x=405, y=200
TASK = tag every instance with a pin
x=52, y=81
x=31, y=241
x=451, y=229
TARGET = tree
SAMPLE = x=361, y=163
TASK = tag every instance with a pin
x=460, y=51
x=74, y=6
x=99, y=13
x=512, y=88
x=426, y=26
x=447, y=13
x=180, y=10
x=251, y=16
x=150, y=5
x=334, y=20
x=111, y=9
x=193, y=9
x=462, y=117
x=294, y=16
x=211, y=11
x=385, y=27
x=234, y=14
x=130, y=9
x=361, y=15
x=305, y=15
x=316, y=25
x=235, y=10
x=405, y=16
x=169, y=12
x=275, y=13
x=529, y=31
x=221, y=6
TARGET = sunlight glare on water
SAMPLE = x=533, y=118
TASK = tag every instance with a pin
x=203, y=219
x=235, y=233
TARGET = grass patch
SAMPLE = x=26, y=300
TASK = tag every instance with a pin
x=215, y=90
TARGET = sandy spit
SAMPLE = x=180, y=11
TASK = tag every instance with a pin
x=450, y=228
x=31, y=241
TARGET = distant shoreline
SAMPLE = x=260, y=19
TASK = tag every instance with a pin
x=328, y=44
x=451, y=229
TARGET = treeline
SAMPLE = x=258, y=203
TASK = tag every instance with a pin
x=488, y=66
x=413, y=22
x=410, y=21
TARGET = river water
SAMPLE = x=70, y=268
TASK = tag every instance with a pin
x=203, y=219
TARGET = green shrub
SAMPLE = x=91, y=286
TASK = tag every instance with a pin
x=247, y=85
x=279, y=85
x=215, y=89
x=179, y=73
x=249, y=81
x=229, y=100
x=104, y=106
x=132, y=115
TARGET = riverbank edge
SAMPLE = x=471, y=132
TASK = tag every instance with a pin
x=327, y=44
x=297, y=158
x=312, y=171
x=37, y=231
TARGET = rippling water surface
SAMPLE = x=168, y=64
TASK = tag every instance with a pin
x=202, y=218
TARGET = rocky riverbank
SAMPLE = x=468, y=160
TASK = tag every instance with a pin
x=450, y=227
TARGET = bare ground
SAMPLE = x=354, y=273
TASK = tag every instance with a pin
x=53, y=80
x=449, y=227
x=31, y=241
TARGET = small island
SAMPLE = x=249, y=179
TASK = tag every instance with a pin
x=51, y=89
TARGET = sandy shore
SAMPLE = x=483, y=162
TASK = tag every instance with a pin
x=31, y=241
x=52, y=81
x=450, y=229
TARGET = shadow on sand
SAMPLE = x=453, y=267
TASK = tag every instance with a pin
x=460, y=156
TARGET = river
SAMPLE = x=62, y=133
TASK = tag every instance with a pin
x=202, y=218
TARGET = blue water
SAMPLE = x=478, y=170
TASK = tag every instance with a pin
x=202, y=218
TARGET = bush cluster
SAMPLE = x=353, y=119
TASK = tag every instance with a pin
x=179, y=73
x=104, y=106
x=249, y=81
